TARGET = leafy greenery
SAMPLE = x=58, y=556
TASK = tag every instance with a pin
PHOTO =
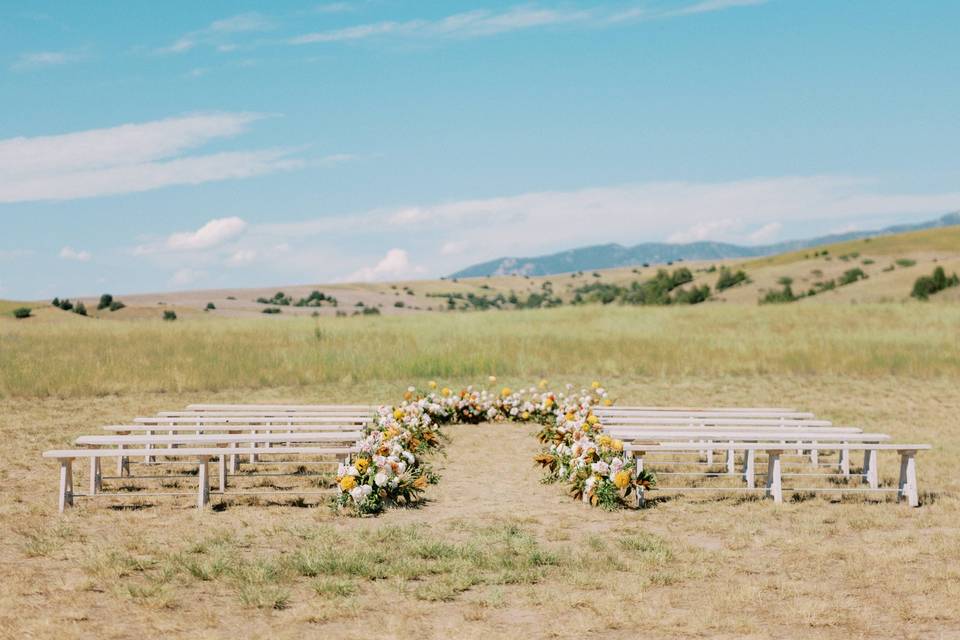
x=729, y=278
x=22, y=312
x=852, y=275
x=210, y=307
x=926, y=286
x=279, y=298
x=272, y=310
x=778, y=297
x=905, y=262
x=169, y=315
x=655, y=291
x=315, y=299
x=105, y=301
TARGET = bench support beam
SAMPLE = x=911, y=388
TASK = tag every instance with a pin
x=774, y=476
x=203, y=495
x=908, y=479
x=66, y=484
x=96, y=477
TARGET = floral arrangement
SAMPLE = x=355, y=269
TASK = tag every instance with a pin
x=391, y=467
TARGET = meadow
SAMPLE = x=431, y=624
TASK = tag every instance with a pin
x=493, y=551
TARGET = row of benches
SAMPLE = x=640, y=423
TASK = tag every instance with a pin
x=202, y=433
x=774, y=432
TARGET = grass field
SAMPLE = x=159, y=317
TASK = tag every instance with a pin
x=493, y=552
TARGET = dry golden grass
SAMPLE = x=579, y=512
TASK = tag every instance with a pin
x=493, y=552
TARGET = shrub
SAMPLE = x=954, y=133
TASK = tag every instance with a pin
x=80, y=309
x=66, y=305
x=399, y=304
x=371, y=311
x=170, y=316
x=905, y=262
x=925, y=286
x=105, y=301
x=210, y=307
x=56, y=302
x=116, y=305
x=279, y=298
x=778, y=297
x=272, y=310
x=852, y=275
x=730, y=279
x=786, y=281
x=21, y=313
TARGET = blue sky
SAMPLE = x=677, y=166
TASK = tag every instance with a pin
x=151, y=146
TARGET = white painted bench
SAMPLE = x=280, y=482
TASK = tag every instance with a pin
x=713, y=420
x=907, y=485
x=617, y=412
x=768, y=410
x=282, y=407
x=267, y=414
x=279, y=420
x=723, y=439
x=199, y=454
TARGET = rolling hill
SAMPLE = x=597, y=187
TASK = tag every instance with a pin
x=609, y=256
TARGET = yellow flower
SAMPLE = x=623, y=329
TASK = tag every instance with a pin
x=548, y=402
x=525, y=415
x=445, y=392
x=592, y=419
x=361, y=464
x=432, y=384
x=543, y=383
x=604, y=441
x=407, y=395
x=347, y=483
x=595, y=384
x=616, y=445
x=398, y=414
x=506, y=392
x=621, y=479
x=607, y=402
x=492, y=379
x=571, y=416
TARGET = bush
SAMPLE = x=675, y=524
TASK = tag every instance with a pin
x=66, y=305
x=852, y=275
x=278, y=298
x=399, y=304
x=905, y=262
x=926, y=286
x=80, y=309
x=210, y=307
x=105, y=301
x=116, y=305
x=779, y=297
x=21, y=313
x=272, y=310
x=730, y=279
x=169, y=316
x=371, y=311
x=786, y=281
x=56, y=302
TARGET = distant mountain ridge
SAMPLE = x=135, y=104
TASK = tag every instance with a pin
x=607, y=256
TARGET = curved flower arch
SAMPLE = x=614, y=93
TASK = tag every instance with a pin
x=393, y=466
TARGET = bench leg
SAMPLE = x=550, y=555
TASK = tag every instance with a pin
x=96, y=477
x=731, y=463
x=222, y=473
x=253, y=456
x=66, y=484
x=845, y=462
x=203, y=496
x=908, y=479
x=774, y=477
x=149, y=459
x=749, y=468
x=123, y=463
x=814, y=456
x=870, y=468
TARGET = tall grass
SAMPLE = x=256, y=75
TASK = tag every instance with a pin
x=104, y=357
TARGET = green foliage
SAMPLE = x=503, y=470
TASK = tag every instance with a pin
x=369, y=311
x=926, y=286
x=316, y=299
x=56, y=302
x=105, y=301
x=80, y=309
x=655, y=291
x=210, y=307
x=399, y=304
x=785, y=281
x=21, y=313
x=729, y=278
x=116, y=305
x=852, y=275
x=779, y=297
x=279, y=298
x=905, y=262
x=272, y=310
x=169, y=315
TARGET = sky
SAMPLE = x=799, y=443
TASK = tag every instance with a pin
x=150, y=146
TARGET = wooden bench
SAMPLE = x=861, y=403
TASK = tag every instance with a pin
x=283, y=407
x=278, y=420
x=723, y=439
x=199, y=454
x=619, y=412
x=267, y=414
x=767, y=410
x=907, y=485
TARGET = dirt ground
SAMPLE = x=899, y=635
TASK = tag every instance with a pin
x=696, y=565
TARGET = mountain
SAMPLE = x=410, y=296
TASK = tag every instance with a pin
x=607, y=256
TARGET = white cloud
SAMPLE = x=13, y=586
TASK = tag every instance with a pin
x=454, y=247
x=14, y=254
x=766, y=233
x=216, y=31
x=701, y=231
x=69, y=253
x=241, y=257
x=393, y=266
x=482, y=22
x=129, y=158
x=186, y=276
x=214, y=233
x=44, y=59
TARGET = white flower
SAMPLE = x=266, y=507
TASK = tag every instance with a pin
x=380, y=479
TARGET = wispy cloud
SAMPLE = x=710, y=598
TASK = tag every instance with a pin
x=69, y=253
x=130, y=158
x=395, y=265
x=482, y=23
x=218, y=31
x=45, y=59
